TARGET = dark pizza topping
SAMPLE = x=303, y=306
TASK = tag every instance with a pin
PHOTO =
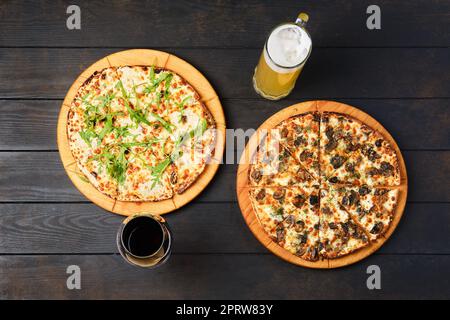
x=256, y=175
x=280, y=234
x=173, y=177
x=299, y=141
x=331, y=145
x=305, y=155
x=351, y=198
x=334, y=180
x=299, y=200
x=377, y=228
x=261, y=195
x=363, y=190
x=314, y=253
x=386, y=169
x=379, y=143
x=313, y=200
x=337, y=161
x=290, y=220
x=299, y=226
x=332, y=226
x=279, y=194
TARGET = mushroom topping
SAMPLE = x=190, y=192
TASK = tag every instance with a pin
x=261, y=194
x=377, y=228
x=305, y=155
x=313, y=253
x=299, y=226
x=332, y=226
x=337, y=161
x=279, y=194
x=303, y=238
x=350, y=167
x=329, y=132
x=313, y=200
x=256, y=175
x=331, y=145
x=386, y=168
x=290, y=220
x=363, y=190
x=299, y=200
x=379, y=143
x=333, y=180
x=280, y=234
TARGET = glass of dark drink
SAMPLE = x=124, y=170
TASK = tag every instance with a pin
x=144, y=240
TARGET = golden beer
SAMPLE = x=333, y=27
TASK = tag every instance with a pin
x=284, y=55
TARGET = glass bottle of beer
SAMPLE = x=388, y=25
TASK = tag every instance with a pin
x=284, y=55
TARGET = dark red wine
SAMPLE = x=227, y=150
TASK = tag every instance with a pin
x=142, y=236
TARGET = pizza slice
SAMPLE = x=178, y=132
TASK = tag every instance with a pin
x=340, y=140
x=190, y=153
x=273, y=165
x=300, y=135
x=372, y=208
x=339, y=234
x=290, y=216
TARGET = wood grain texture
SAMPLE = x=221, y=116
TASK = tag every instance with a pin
x=235, y=276
x=160, y=59
x=243, y=184
x=30, y=124
x=406, y=61
x=202, y=23
x=82, y=228
x=39, y=176
x=350, y=72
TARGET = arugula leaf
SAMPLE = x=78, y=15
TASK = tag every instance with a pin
x=121, y=131
x=168, y=126
x=158, y=171
x=182, y=105
x=199, y=129
x=87, y=135
x=106, y=100
x=116, y=165
x=136, y=115
x=107, y=128
x=168, y=80
x=139, y=144
x=154, y=83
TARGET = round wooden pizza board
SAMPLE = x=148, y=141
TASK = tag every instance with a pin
x=243, y=187
x=144, y=57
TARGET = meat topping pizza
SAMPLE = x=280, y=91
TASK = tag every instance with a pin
x=323, y=185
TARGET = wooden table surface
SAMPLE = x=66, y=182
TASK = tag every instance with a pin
x=399, y=75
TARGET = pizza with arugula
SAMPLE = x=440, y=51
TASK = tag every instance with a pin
x=140, y=133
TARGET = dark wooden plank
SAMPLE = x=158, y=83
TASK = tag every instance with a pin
x=85, y=228
x=39, y=176
x=222, y=277
x=330, y=73
x=217, y=23
x=415, y=124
